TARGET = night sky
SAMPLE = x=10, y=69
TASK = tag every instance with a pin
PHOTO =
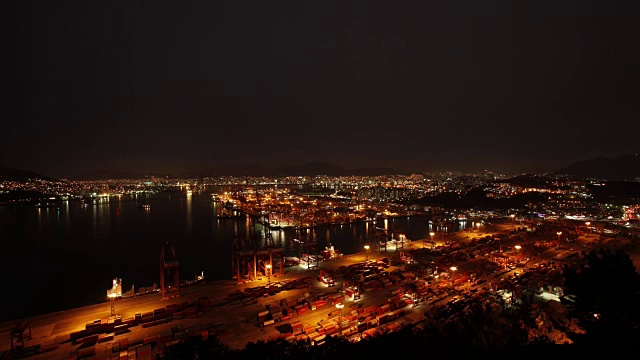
x=467, y=85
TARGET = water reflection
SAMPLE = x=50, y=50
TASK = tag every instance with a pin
x=189, y=212
x=134, y=236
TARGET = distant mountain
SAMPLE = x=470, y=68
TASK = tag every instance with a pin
x=625, y=167
x=240, y=169
x=109, y=174
x=309, y=169
x=244, y=169
x=528, y=180
x=21, y=175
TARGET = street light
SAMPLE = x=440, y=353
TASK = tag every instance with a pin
x=518, y=247
x=268, y=268
x=113, y=293
x=431, y=235
x=366, y=247
x=453, y=269
x=588, y=223
x=559, y=233
x=513, y=218
x=340, y=305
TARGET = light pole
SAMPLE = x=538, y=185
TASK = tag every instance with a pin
x=588, y=224
x=513, y=219
x=453, y=269
x=559, y=233
x=113, y=293
x=268, y=268
x=431, y=235
x=340, y=306
x=366, y=248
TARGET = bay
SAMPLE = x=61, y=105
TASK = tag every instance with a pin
x=67, y=256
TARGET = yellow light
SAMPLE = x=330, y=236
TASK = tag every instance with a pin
x=518, y=247
x=453, y=268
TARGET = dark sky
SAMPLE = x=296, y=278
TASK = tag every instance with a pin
x=171, y=86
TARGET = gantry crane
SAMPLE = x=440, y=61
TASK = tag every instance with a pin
x=169, y=272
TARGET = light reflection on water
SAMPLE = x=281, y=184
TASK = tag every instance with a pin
x=75, y=250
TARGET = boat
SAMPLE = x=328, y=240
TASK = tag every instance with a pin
x=144, y=206
x=228, y=215
x=45, y=205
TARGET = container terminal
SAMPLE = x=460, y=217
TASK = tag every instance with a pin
x=354, y=296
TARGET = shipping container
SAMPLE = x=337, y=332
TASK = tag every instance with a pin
x=105, y=337
x=143, y=348
x=165, y=336
x=86, y=352
x=115, y=347
x=317, y=340
x=150, y=339
x=74, y=336
x=46, y=348
x=370, y=333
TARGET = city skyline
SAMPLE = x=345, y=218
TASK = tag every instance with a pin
x=512, y=88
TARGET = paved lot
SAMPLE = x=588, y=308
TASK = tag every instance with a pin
x=239, y=322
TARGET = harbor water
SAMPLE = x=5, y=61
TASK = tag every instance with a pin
x=65, y=256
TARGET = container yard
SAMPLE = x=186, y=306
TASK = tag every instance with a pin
x=354, y=296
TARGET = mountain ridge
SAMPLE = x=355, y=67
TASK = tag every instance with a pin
x=621, y=168
x=7, y=173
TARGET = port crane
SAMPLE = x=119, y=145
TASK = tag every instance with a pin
x=169, y=272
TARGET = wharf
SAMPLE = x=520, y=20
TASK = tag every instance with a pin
x=240, y=323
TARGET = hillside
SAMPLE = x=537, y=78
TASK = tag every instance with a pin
x=625, y=167
x=309, y=169
x=11, y=174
